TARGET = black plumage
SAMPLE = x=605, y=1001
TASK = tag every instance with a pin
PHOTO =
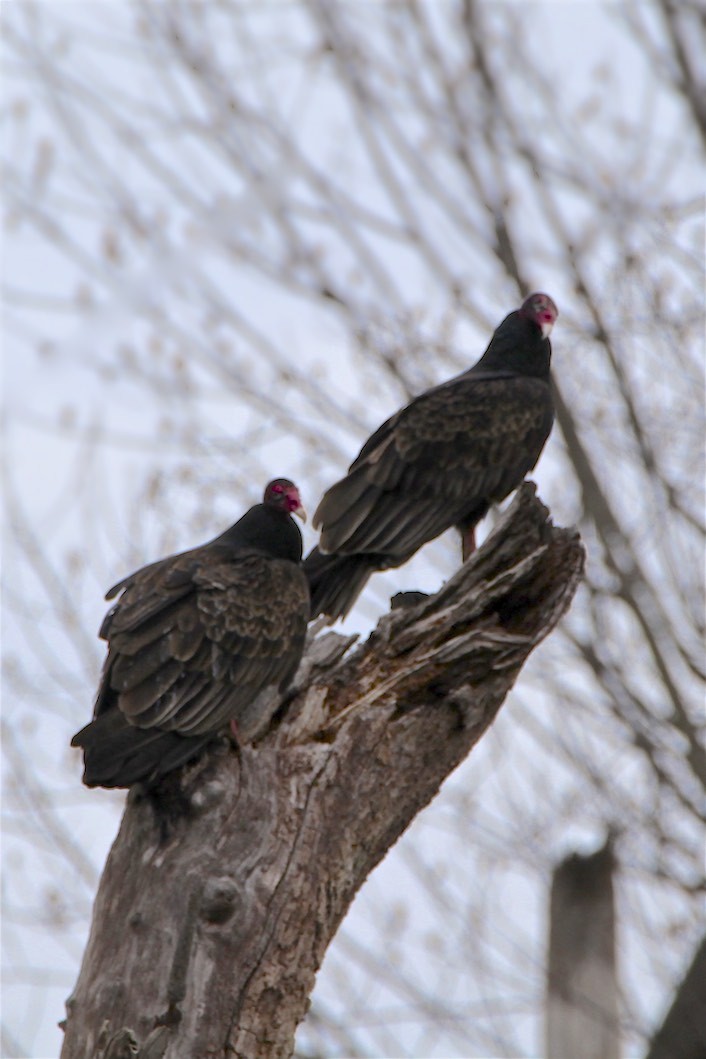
x=197, y=642
x=439, y=462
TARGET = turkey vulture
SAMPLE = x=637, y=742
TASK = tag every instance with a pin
x=439, y=462
x=199, y=641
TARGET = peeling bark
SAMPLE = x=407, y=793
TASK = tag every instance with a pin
x=220, y=896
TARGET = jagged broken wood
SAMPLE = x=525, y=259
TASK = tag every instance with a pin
x=211, y=922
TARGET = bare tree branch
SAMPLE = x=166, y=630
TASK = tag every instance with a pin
x=682, y=1035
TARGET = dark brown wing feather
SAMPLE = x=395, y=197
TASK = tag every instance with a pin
x=193, y=643
x=439, y=462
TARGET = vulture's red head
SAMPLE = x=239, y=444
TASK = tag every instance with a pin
x=541, y=310
x=283, y=495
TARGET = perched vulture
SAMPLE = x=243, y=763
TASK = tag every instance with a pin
x=439, y=462
x=199, y=642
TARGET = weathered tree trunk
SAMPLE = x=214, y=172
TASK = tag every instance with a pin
x=212, y=917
